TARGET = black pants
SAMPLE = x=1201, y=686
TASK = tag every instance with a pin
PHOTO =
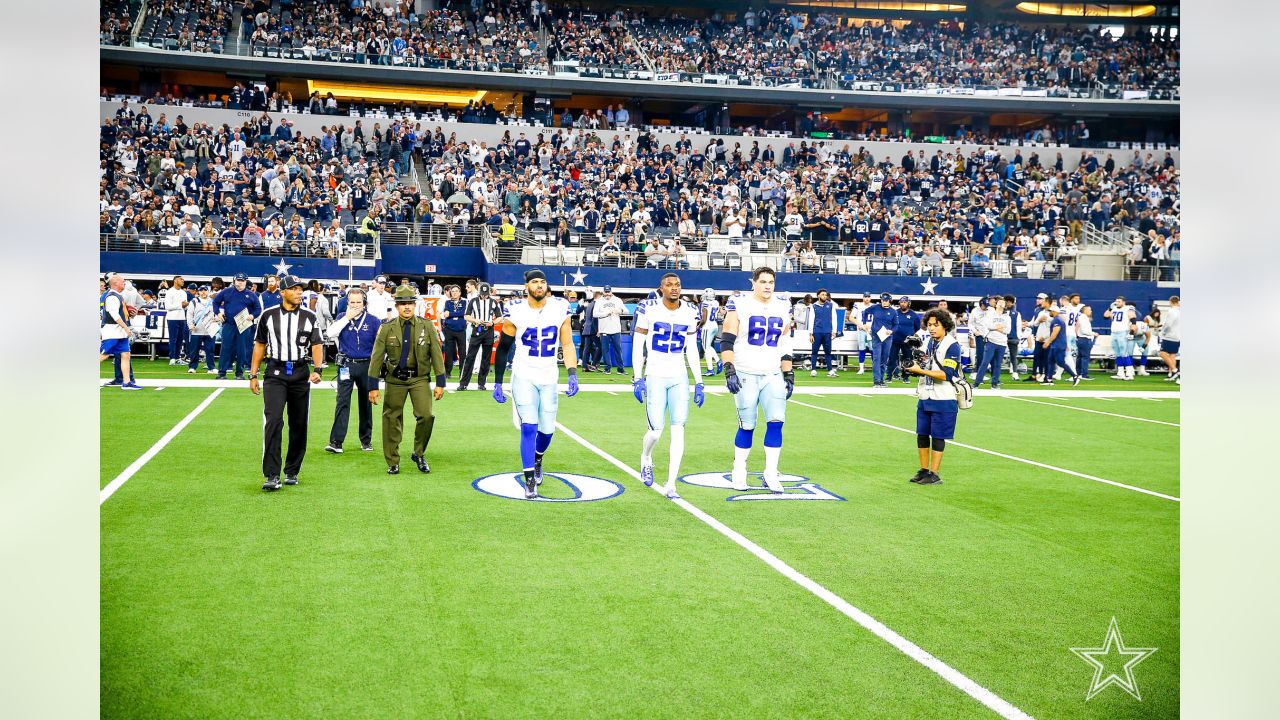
x=455, y=349
x=1013, y=354
x=481, y=344
x=895, y=351
x=281, y=392
x=357, y=378
x=590, y=354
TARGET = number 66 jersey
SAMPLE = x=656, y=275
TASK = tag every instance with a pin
x=537, y=338
x=762, y=333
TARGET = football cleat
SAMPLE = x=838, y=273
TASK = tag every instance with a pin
x=719, y=367
x=671, y=492
x=335, y=449
x=537, y=471
x=771, y=482
x=1075, y=380
x=739, y=480
x=646, y=475
x=290, y=479
x=530, y=488
x=272, y=484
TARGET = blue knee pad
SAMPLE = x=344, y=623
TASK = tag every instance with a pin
x=542, y=442
x=743, y=439
x=773, y=434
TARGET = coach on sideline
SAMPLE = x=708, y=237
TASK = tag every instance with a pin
x=355, y=332
x=228, y=303
x=290, y=338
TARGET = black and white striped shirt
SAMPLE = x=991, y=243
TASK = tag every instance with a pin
x=484, y=309
x=288, y=335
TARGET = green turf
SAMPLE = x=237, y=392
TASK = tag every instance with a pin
x=154, y=371
x=356, y=594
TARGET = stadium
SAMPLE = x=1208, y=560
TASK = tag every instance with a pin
x=839, y=223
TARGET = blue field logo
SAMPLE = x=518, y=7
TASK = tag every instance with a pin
x=585, y=488
x=796, y=487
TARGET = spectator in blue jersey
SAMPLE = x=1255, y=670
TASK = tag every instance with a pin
x=822, y=331
x=936, y=407
x=879, y=321
x=270, y=297
x=1056, y=347
x=905, y=324
x=236, y=343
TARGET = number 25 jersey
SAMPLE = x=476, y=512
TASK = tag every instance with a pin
x=668, y=333
x=537, y=338
x=762, y=333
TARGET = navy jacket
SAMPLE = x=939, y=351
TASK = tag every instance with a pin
x=230, y=302
x=905, y=324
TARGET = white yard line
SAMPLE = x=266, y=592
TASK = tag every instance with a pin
x=1015, y=458
x=130, y=471
x=1097, y=412
x=971, y=688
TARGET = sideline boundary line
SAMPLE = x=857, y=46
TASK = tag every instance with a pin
x=998, y=454
x=971, y=688
x=1097, y=412
x=136, y=465
x=720, y=389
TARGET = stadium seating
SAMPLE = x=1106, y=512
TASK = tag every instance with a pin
x=786, y=48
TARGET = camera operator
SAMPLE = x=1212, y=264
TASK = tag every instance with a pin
x=938, y=364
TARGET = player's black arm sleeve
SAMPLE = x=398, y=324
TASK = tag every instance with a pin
x=727, y=340
x=500, y=363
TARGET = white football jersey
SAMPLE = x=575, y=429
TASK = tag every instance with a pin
x=1120, y=319
x=713, y=311
x=1071, y=314
x=668, y=333
x=762, y=333
x=537, y=338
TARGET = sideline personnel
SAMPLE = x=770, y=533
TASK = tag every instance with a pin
x=229, y=303
x=407, y=353
x=289, y=336
x=355, y=332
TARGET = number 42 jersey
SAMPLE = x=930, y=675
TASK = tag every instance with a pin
x=762, y=333
x=537, y=338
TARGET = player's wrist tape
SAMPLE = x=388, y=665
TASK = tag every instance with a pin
x=726, y=340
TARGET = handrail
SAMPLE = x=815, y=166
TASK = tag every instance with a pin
x=150, y=242
x=137, y=23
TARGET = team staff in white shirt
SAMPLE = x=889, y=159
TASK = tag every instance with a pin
x=176, y=300
x=1085, y=337
x=1171, y=338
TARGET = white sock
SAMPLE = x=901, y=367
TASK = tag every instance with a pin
x=740, y=458
x=650, y=440
x=677, y=454
x=771, y=460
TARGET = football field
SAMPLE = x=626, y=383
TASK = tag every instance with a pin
x=854, y=594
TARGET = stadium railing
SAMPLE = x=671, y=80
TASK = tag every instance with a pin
x=154, y=243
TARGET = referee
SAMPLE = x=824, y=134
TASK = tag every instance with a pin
x=482, y=313
x=289, y=337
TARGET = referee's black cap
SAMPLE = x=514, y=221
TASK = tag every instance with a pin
x=534, y=274
x=288, y=281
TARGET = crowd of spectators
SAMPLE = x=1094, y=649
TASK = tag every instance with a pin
x=258, y=188
x=115, y=21
x=765, y=47
x=633, y=199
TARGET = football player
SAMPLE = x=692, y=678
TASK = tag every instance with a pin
x=537, y=325
x=710, y=319
x=757, y=370
x=1122, y=316
x=666, y=328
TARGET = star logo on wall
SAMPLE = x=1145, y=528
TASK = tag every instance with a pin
x=928, y=286
x=1113, y=651
x=579, y=278
x=282, y=268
